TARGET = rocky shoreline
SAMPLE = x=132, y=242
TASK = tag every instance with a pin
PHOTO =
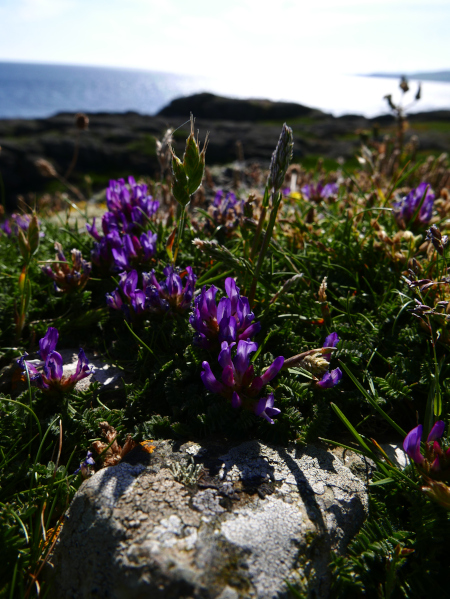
x=116, y=145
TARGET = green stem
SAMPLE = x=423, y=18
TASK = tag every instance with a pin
x=179, y=235
x=276, y=201
x=262, y=218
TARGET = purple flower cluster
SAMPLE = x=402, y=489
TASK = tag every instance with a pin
x=238, y=383
x=230, y=320
x=68, y=278
x=168, y=296
x=226, y=210
x=316, y=192
x=406, y=207
x=17, y=222
x=52, y=379
x=436, y=462
x=123, y=244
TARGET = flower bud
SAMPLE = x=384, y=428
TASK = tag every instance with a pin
x=281, y=158
x=33, y=235
x=194, y=160
x=24, y=246
x=180, y=184
x=188, y=175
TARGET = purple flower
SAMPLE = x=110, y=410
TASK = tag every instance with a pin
x=129, y=206
x=226, y=211
x=52, y=378
x=265, y=408
x=331, y=341
x=129, y=210
x=436, y=462
x=330, y=379
x=436, y=432
x=170, y=293
x=230, y=320
x=157, y=298
x=84, y=466
x=318, y=192
x=238, y=381
x=411, y=445
x=68, y=278
x=406, y=207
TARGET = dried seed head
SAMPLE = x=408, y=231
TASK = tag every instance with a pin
x=81, y=121
x=45, y=168
x=404, y=85
x=281, y=158
x=316, y=364
x=323, y=291
x=199, y=243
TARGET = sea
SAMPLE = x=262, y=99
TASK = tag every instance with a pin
x=42, y=90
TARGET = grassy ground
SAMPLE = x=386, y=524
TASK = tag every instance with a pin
x=336, y=264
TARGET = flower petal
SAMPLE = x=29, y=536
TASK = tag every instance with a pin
x=48, y=343
x=209, y=380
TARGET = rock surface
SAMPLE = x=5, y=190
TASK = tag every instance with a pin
x=116, y=145
x=251, y=518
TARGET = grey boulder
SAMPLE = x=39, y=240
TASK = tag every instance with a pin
x=240, y=522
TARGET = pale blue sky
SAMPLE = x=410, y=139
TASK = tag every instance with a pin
x=244, y=39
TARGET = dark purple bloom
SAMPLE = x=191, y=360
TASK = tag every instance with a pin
x=411, y=445
x=318, y=192
x=170, y=293
x=84, y=466
x=406, y=207
x=52, y=378
x=68, y=278
x=331, y=341
x=265, y=408
x=230, y=320
x=124, y=245
x=330, y=379
x=436, y=462
x=436, y=432
x=48, y=342
x=130, y=206
x=226, y=210
x=158, y=298
x=238, y=381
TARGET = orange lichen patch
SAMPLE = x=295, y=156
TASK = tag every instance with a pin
x=147, y=445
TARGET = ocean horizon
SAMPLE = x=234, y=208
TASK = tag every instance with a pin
x=33, y=90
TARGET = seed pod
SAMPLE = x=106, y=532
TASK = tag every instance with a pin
x=24, y=246
x=194, y=160
x=33, y=235
x=180, y=186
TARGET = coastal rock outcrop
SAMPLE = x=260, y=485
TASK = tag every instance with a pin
x=219, y=522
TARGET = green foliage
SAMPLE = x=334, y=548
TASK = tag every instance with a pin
x=353, y=241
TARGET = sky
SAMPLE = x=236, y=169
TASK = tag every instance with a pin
x=241, y=39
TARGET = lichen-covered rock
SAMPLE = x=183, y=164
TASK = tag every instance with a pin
x=258, y=516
